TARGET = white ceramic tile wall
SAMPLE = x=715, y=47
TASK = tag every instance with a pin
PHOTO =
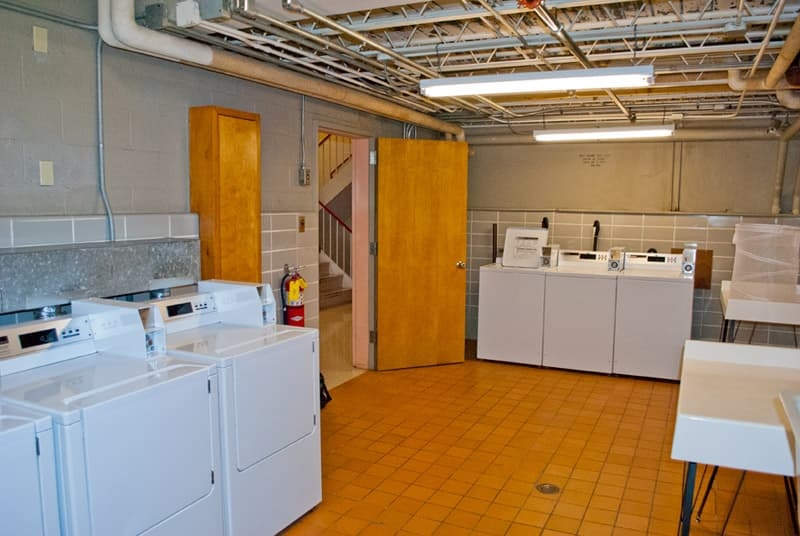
x=636, y=232
x=282, y=243
x=57, y=230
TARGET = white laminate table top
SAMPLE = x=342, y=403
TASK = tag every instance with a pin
x=729, y=410
x=760, y=302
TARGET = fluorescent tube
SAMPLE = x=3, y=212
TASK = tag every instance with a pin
x=537, y=82
x=600, y=134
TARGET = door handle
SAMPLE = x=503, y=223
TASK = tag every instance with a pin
x=461, y=264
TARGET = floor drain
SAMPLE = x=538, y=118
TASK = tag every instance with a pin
x=547, y=489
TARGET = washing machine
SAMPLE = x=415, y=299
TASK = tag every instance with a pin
x=579, y=308
x=510, y=314
x=654, y=315
x=269, y=392
x=28, y=494
x=136, y=439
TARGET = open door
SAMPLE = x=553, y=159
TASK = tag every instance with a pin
x=421, y=226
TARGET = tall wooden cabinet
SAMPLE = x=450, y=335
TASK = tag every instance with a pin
x=225, y=191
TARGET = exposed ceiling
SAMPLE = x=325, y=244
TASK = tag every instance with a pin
x=386, y=47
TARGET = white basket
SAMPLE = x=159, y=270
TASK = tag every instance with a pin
x=766, y=253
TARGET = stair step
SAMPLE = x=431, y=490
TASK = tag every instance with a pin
x=336, y=297
x=330, y=283
x=324, y=268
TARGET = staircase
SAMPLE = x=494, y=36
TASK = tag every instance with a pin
x=332, y=291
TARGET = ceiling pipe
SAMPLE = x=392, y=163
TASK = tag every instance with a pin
x=557, y=30
x=789, y=51
x=119, y=29
x=297, y=7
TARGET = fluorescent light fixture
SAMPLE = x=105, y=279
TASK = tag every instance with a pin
x=601, y=134
x=538, y=82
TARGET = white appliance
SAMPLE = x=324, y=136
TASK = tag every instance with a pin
x=137, y=439
x=654, y=315
x=579, y=309
x=510, y=314
x=28, y=495
x=269, y=393
x=523, y=247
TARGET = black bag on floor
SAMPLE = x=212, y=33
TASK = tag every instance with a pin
x=324, y=395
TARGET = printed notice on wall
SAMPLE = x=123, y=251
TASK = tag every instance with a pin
x=594, y=159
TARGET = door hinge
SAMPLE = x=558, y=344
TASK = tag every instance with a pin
x=373, y=248
x=314, y=420
x=212, y=476
x=38, y=450
x=373, y=158
x=373, y=337
x=313, y=347
x=209, y=386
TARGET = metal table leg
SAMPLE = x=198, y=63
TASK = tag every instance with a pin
x=686, y=507
x=708, y=490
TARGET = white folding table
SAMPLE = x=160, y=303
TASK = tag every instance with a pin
x=729, y=411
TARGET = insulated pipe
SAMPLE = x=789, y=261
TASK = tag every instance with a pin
x=780, y=166
x=131, y=36
x=789, y=51
x=796, y=194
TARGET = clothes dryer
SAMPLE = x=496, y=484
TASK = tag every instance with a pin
x=269, y=392
x=28, y=495
x=137, y=440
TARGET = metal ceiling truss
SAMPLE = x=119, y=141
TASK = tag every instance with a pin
x=692, y=44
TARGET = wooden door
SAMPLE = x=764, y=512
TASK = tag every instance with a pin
x=421, y=225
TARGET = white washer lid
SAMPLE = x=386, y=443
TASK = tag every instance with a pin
x=63, y=389
x=220, y=343
x=13, y=417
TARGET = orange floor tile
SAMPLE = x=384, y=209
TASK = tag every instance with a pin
x=459, y=449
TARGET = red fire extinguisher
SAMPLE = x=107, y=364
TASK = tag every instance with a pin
x=292, y=287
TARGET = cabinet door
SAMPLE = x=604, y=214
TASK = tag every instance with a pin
x=239, y=200
x=225, y=160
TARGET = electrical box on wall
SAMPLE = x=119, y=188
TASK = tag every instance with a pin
x=304, y=177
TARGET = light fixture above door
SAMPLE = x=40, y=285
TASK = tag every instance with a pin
x=539, y=82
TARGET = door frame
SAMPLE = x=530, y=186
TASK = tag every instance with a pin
x=362, y=225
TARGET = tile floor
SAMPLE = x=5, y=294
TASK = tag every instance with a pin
x=458, y=449
x=336, y=345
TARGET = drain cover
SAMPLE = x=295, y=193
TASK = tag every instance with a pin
x=547, y=489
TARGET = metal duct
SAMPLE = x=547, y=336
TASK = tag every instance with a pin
x=119, y=29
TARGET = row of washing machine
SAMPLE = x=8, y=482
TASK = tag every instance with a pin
x=582, y=316
x=181, y=416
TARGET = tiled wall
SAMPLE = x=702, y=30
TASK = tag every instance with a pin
x=282, y=243
x=57, y=230
x=635, y=232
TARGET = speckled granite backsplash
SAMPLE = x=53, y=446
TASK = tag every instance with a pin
x=36, y=276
